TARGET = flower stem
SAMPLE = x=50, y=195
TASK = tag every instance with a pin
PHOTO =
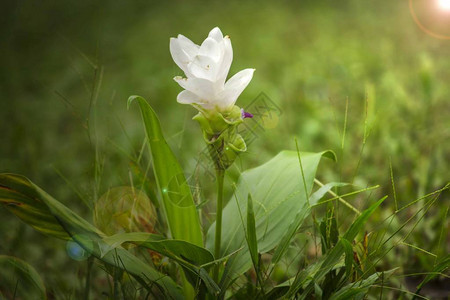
x=88, y=278
x=220, y=176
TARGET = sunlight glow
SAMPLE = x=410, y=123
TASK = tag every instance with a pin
x=444, y=4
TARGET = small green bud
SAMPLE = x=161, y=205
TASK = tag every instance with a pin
x=220, y=133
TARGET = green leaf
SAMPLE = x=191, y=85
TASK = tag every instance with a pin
x=303, y=278
x=194, y=259
x=320, y=193
x=175, y=249
x=186, y=254
x=333, y=231
x=440, y=267
x=299, y=218
x=252, y=243
x=328, y=230
x=38, y=209
x=289, y=235
x=348, y=250
x=318, y=293
x=359, y=288
x=20, y=279
x=334, y=255
x=179, y=207
x=278, y=194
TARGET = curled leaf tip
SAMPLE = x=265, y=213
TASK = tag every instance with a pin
x=330, y=154
x=131, y=99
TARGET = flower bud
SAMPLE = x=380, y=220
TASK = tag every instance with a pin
x=221, y=135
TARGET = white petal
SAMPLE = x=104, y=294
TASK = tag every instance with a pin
x=188, y=46
x=226, y=60
x=216, y=34
x=186, y=97
x=208, y=61
x=234, y=87
x=206, y=90
x=210, y=47
x=178, y=55
x=183, y=51
x=203, y=67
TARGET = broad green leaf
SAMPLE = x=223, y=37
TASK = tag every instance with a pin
x=278, y=194
x=38, y=209
x=183, y=252
x=194, y=259
x=35, y=207
x=299, y=218
x=19, y=278
x=359, y=288
x=289, y=235
x=179, y=207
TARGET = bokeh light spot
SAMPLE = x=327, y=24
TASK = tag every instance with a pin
x=444, y=4
x=75, y=251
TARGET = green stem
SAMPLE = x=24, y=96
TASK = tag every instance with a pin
x=87, y=286
x=116, y=285
x=220, y=176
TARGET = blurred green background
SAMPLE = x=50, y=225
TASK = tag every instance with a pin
x=68, y=68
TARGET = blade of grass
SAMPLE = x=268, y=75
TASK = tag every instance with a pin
x=346, y=195
x=251, y=233
x=340, y=197
x=392, y=183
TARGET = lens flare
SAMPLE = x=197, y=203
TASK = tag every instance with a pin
x=423, y=27
x=444, y=4
x=76, y=252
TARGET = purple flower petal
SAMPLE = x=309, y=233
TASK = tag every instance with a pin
x=245, y=114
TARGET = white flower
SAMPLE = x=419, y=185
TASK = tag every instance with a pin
x=206, y=68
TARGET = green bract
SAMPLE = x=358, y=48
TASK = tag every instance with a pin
x=221, y=135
